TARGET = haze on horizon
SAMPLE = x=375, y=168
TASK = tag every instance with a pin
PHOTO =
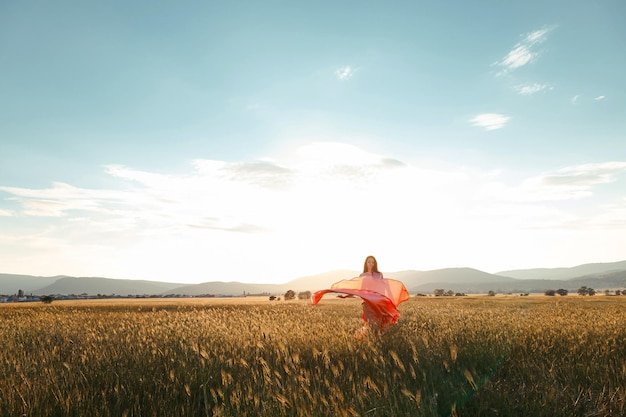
x=264, y=142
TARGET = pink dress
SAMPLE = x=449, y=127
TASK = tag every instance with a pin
x=381, y=297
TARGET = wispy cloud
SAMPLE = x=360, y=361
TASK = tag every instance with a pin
x=579, y=99
x=568, y=183
x=573, y=182
x=345, y=73
x=239, y=196
x=227, y=225
x=525, y=52
x=544, y=202
x=324, y=178
x=333, y=200
x=613, y=216
x=320, y=195
x=490, y=121
x=261, y=173
x=62, y=198
x=530, y=89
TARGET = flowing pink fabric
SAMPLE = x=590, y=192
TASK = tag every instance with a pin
x=381, y=297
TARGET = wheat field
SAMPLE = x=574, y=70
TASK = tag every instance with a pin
x=447, y=356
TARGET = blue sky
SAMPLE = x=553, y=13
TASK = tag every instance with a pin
x=264, y=141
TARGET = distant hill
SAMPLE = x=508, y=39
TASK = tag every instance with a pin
x=452, y=278
x=565, y=273
x=459, y=275
x=308, y=283
x=466, y=280
x=11, y=283
x=223, y=288
x=613, y=280
x=515, y=286
x=107, y=286
x=320, y=281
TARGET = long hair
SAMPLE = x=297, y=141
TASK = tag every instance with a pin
x=375, y=269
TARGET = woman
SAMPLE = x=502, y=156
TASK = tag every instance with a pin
x=370, y=268
x=370, y=319
x=381, y=297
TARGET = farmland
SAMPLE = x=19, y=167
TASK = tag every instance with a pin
x=465, y=356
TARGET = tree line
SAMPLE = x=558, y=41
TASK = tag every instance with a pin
x=441, y=292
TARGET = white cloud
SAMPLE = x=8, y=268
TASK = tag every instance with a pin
x=324, y=206
x=490, y=121
x=574, y=182
x=577, y=99
x=345, y=73
x=569, y=183
x=529, y=89
x=524, y=52
x=612, y=216
x=63, y=198
x=325, y=196
x=5, y=213
x=518, y=57
x=537, y=36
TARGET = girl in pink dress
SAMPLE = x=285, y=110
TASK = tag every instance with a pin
x=381, y=297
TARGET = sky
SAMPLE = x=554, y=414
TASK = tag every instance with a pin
x=269, y=140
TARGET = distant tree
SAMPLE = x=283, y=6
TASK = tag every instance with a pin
x=20, y=293
x=460, y=294
x=491, y=293
x=618, y=292
x=272, y=297
x=550, y=293
x=47, y=299
x=584, y=290
x=562, y=292
x=449, y=293
x=304, y=295
x=290, y=295
x=439, y=292
x=607, y=292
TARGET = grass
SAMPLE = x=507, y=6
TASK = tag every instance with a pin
x=466, y=356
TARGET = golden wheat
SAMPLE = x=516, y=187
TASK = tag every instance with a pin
x=446, y=356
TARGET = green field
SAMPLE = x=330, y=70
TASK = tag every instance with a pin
x=466, y=356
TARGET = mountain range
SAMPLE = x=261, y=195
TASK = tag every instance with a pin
x=465, y=280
